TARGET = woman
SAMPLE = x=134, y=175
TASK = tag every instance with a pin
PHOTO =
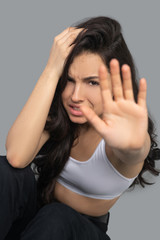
x=86, y=128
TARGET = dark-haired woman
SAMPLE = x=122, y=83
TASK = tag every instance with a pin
x=86, y=128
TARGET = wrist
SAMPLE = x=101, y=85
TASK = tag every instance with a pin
x=50, y=74
x=133, y=156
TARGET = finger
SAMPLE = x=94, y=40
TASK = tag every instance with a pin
x=127, y=83
x=105, y=85
x=142, y=93
x=65, y=31
x=116, y=80
x=69, y=49
x=69, y=40
x=62, y=34
x=99, y=125
x=70, y=34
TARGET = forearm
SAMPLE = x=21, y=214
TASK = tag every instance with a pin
x=134, y=156
x=24, y=135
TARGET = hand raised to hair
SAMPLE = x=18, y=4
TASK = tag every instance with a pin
x=124, y=122
x=61, y=48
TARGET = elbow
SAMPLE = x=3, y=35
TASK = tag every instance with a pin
x=14, y=161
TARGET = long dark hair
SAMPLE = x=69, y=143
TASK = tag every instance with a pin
x=103, y=36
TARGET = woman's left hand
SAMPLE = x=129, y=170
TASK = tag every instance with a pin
x=124, y=121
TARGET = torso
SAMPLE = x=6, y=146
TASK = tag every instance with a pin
x=82, y=204
x=93, y=207
x=82, y=151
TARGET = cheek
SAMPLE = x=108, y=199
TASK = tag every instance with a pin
x=99, y=106
x=65, y=94
x=99, y=100
x=95, y=98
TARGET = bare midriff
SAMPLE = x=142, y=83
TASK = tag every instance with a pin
x=82, y=204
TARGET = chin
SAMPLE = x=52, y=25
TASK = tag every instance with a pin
x=78, y=120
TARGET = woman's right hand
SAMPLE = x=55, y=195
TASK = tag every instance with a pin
x=60, y=49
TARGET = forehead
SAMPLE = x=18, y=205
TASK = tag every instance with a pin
x=85, y=64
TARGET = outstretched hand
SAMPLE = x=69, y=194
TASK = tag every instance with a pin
x=123, y=124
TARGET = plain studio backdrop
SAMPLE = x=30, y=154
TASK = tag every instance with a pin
x=27, y=30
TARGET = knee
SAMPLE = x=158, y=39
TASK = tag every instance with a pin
x=51, y=220
x=5, y=169
x=11, y=176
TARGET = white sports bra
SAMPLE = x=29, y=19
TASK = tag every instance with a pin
x=94, y=178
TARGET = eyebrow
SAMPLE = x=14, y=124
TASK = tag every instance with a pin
x=86, y=78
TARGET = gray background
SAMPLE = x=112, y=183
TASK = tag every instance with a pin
x=27, y=30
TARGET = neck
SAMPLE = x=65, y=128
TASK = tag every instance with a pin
x=88, y=132
x=85, y=128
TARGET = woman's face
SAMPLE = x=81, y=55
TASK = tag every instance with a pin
x=83, y=87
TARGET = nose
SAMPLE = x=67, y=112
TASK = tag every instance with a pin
x=78, y=93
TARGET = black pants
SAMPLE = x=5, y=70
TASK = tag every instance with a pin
x=17, y=199
x=20, y=219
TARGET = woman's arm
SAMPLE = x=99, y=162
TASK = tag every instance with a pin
x=25, y=133
x=132, y=157
x=130, y=163
x=124, y=122
x=24, y=136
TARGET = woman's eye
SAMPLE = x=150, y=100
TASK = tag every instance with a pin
x=93, y=83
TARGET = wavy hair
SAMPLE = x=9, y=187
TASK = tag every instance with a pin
x=103, y=36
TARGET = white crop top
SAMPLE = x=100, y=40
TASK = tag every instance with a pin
x=94, y=178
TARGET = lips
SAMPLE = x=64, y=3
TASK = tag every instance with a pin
x=75, y=110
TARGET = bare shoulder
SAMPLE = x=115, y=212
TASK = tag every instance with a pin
x=127, y=170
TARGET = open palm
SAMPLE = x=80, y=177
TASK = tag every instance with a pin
x=123, y=124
